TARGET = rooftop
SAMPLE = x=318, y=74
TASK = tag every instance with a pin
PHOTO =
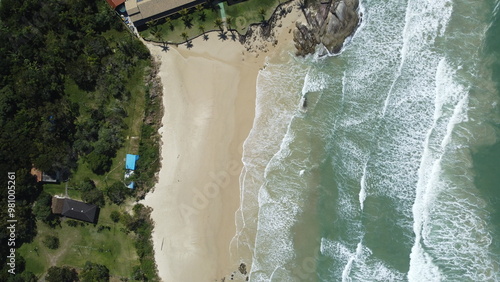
x=145, y=10
x=130, y=161
x=115, y=3
x=74, y=209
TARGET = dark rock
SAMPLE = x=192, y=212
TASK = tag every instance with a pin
x=328, y=23
x=243, y=269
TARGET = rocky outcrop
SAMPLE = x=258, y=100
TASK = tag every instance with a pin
x=328, y=22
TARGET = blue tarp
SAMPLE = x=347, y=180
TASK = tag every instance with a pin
x=130, y=161
x=131, y=185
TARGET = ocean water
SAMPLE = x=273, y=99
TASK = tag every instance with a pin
x=392, y=170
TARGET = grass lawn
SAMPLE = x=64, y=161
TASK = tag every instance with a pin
x=247, y=12
x=112, y=248
x=172, y=30
x=243, y=14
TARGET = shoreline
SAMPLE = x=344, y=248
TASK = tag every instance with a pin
x=209, y=95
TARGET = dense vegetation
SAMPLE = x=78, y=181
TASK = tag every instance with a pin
x=64, y=67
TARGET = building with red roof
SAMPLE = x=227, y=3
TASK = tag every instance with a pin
x=115, y=3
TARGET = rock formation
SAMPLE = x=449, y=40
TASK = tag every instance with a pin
x=328, y=22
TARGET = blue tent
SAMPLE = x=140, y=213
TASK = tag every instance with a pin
x=130, y=161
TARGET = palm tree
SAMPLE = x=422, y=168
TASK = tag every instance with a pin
x=262, y=13
x=201, y=28
x=157, y=34
x=302, y=6
x=168, y=21
x=229, y=22
x=185, y=17
x=201, y=12
x=153, y=26
x=199, y=8
x=184, y=12
x=184, y=36
x=218, y=23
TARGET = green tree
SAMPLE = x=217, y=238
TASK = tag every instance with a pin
x=158, y=36
x=168, y=21
x=218, y=23
x=184, y=36
x=61, y=274
x=98, y=163
x=95, y=197
x=201, y=12
x=90, y=193
x=25, y=276
x=117, y=192
x=262, y=13
x=201, y=28
x=186, y=18
x=229, y=22
x=51, y=242
x=42, y=208
x=115, y=216
x=94, y=272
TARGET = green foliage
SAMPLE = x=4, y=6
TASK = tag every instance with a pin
x=72, y=223
x=117, y=192
x=90, y=193
x=115, y=216
x=61, y=274
x=25, y=276
x=42, y=208
x=98, y=163
x=51, y=242
x=142, y=225
x=66, y=76
x=94, y=272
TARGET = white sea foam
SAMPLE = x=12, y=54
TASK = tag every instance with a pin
x=359, y=263
x=274, y=108
x=362, y=184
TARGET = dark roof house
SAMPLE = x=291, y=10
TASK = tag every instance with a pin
x=75, y=209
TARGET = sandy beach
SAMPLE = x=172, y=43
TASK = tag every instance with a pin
x=209, y=103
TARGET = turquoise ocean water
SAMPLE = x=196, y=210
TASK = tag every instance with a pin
x=392, y=171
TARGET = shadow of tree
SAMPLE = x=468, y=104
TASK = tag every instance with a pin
x=202, y=17
x=233, y=36
x=205, y=37
x=188, y=23
x=165, y=47
x=189, y=44
x=222, y=35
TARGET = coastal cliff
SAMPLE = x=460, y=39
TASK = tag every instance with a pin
x=327, y=22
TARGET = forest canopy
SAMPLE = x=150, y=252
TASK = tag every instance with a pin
x=63, y=67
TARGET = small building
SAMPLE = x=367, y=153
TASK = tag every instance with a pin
x=130, y=166
x=130, y=161
x=46, y=177
x=75, y=209
x=143, y=11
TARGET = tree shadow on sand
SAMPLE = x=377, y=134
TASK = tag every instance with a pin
x=165, y=48
x=222, y=36
x=189, y=44
x=233, y=36
x=205, y=37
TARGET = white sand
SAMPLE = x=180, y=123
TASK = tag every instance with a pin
x=209, y=102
